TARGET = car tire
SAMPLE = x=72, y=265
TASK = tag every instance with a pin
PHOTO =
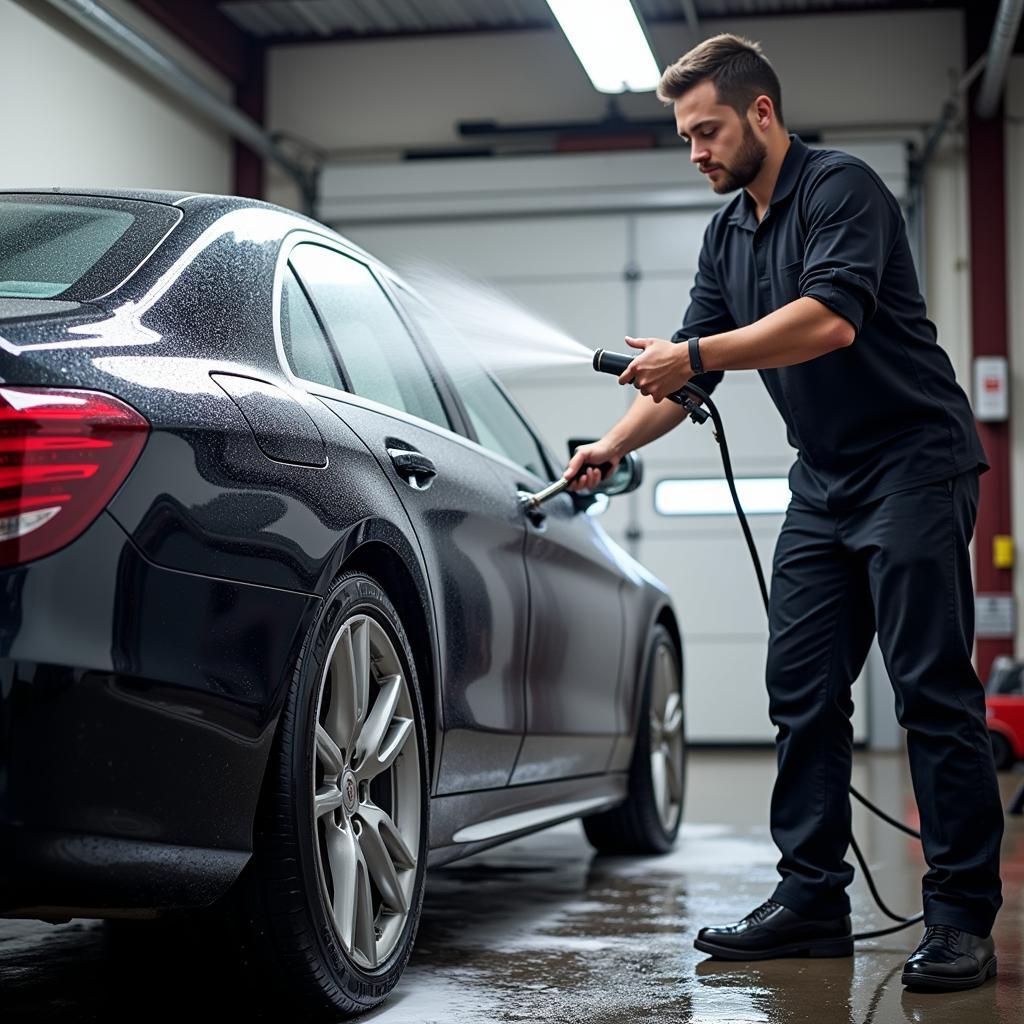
x=332, y=896
x=648, y=821
x=1002, y=752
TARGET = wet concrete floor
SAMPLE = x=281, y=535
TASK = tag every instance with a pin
x=542, y=930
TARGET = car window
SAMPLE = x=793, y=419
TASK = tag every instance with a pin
x=75, y=247
x=378, y=356
x=496, y=422
x=306, y=347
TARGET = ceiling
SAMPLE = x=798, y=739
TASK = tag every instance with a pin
x=292, y=21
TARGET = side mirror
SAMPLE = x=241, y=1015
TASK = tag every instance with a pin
x=628, y=475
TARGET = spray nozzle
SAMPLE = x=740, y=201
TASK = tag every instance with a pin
x=688, y=396
x=611, y=362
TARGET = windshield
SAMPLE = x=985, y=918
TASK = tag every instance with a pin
x=75, y=247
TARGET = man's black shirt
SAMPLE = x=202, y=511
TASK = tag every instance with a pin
x=881, y=415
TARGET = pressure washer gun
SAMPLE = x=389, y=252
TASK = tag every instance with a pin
x=689, y=396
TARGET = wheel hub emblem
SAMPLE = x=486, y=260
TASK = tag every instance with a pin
x=349, y=791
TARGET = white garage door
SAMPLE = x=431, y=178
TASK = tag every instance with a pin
x=601, y=275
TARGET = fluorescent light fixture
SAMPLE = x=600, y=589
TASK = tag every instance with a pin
x=765, y=495
x=610, y=43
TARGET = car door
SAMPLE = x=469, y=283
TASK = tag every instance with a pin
x=576, y=619
x=372, y=376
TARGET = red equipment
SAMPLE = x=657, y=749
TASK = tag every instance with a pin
x=1004, y=709
x=1006, y=726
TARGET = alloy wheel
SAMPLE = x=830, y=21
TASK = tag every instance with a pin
x=366, y=792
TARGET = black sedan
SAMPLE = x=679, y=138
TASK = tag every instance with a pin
x=277, y=629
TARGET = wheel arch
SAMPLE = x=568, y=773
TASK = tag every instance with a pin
x=379, y=548
x=667, y=617
x=657, y=612
x=381, y=561
x=663, y=615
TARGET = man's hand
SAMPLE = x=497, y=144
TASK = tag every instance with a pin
x=660, y=370
x=590, y=455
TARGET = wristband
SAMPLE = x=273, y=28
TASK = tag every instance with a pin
x=693, y=345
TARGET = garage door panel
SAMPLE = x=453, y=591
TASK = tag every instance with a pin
x=561, y=413
x=705, y=563
x=757, y=444
x=520, y=248
x=396, y=243
x=671, y=241
x=661, y=303
x=725, y=696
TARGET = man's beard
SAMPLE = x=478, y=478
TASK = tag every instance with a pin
x=746, y=166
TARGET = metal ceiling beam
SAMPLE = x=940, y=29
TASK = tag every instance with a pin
x=690, y=11
x=503, y=21
x=312, y=18
x=997, y=59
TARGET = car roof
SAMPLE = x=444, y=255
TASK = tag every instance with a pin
x=149, y=195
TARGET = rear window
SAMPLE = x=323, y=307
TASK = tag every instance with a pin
x=75, y=247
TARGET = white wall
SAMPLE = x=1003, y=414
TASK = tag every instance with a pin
x=75, y=114
x=1014, y=106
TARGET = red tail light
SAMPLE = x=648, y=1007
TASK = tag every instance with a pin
x=63, y=454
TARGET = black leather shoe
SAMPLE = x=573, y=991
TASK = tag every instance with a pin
x=949, y=958
x=772, y=930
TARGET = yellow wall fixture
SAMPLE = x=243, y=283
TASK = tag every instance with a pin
x=1002, y=551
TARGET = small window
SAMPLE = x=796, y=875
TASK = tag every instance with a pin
x=496, y=423
x=76, y=247
x=305, y=345
x=378, y=356
x=758, y=496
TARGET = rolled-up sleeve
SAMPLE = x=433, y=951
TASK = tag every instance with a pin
x=706, y=313
x=851, y=223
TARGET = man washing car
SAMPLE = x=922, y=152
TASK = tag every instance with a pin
x=806, y=276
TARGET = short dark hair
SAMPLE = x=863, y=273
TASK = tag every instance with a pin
x=735, y=65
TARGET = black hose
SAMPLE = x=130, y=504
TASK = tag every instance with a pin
x=692, y=406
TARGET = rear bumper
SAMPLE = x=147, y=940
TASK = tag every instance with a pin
x=137, y=710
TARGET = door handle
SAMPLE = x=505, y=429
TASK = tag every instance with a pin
x=413, y=467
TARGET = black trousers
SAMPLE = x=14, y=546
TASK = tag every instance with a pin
x=899, y=565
